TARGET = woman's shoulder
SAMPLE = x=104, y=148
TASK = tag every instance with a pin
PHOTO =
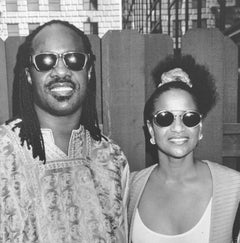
x=137, y=183
x=220, y=167
x=141, y=175
x=223, y=173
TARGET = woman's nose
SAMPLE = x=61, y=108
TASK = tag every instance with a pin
x=177, y=124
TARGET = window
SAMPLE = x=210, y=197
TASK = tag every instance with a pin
x=203, y=23
x=90, y=5
x=33, y=5
x=91, y=28
x=195, y=3
x=32, y=27
x=179, y=28
x=13, y=29
x=54, y=5
x=180, y=2
x=11, y=5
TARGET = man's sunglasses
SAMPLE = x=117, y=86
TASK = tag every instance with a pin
x=75, y=61
x=166, y=118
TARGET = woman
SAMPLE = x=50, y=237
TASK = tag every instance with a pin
x=181, y=199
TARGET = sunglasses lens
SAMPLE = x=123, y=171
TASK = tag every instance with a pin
x=75, y=61
x=45, y=62
x=191, y=119
x=164, y=119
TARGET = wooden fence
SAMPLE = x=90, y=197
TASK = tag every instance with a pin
x=123, y=66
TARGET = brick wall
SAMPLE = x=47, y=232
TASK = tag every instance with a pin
x=108, y=15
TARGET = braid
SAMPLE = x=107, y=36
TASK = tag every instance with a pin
x=30, y=128
x=89, y=113
x=23, y=105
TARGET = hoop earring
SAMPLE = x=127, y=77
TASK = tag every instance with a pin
x=200, y=137
x=152, y=141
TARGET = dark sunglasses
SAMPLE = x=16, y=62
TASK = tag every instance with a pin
x=165, y=118
x=75, y=61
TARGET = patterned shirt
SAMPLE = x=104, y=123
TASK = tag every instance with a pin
x=79, y=197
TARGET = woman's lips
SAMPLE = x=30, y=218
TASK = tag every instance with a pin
x=178, y=140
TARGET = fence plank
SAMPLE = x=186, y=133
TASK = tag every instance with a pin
x=124, y=92
x=230, y=81
x=230, y=101
x=12, y=44
x=157, y=47
x=231, y=141
x=4, y=111
x=208, y=46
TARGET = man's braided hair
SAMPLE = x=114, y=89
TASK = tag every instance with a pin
x=23, y=106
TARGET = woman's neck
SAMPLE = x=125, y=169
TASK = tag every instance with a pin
x=175, y=170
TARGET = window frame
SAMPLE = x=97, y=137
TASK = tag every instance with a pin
x=13, y=32
x=90, y=5
x=33, y=5
x=92, y=29
x=11, y=5
x=54, y=5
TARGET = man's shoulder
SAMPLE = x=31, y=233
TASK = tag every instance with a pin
x=9, y=127
x=10, y=124
x=8, y=137
x=106, y=142
x=108, y=150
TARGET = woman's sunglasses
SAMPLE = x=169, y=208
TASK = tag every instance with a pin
x=75, y=61
x=165, y=118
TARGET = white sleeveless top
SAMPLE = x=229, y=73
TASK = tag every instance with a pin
x=198, y=234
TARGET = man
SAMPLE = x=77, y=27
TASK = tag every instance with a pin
x=61, y=179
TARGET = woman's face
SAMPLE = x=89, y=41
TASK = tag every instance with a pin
x=175, y=140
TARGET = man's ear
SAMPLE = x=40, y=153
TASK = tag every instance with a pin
x=29, y=79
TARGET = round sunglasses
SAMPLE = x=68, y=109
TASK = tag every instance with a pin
x=165, y=118
x=75, y=61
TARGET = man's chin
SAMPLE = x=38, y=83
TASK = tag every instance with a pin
x=62, y=112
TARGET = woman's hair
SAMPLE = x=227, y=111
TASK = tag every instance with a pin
x=202, y=88
x=23, y=106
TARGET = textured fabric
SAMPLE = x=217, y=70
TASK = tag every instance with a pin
x=226, y=197
x=79, y=197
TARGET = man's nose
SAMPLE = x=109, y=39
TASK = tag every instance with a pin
x=60, y=69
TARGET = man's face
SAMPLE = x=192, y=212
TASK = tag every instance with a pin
x=59, y=91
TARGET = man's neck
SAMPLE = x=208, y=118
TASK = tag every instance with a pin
x=61, y=126
x=59, y=123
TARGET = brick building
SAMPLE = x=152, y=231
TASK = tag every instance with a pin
x=19, y=17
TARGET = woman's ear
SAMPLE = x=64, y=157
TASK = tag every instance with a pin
x=27, y=73
x=89, y=72
x=151, y=132
x=200, y=136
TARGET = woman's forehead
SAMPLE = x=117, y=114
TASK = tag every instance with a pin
x=175, y=99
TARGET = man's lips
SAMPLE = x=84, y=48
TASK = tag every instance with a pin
x=62, y=91
x=62, y=88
